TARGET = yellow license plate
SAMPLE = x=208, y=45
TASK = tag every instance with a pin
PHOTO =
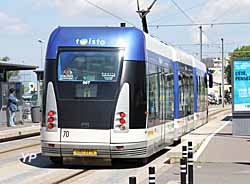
x=84, y=152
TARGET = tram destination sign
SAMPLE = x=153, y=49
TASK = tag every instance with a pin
x=241, y=85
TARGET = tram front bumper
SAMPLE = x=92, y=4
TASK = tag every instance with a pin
x=126, y=150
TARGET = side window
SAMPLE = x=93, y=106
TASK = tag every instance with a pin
x=153, y=87
x=169, y=94
x=191, y=82
x=181, y=95
x=201, y=92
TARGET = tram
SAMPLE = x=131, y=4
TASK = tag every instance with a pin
x=117, y=92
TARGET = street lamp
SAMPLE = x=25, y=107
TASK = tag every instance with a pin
x=41, y=45
x=40, y=41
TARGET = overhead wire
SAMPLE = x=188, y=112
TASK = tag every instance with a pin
x=183, y=11
x=108, y=12
x=188, y=9
x=200, y=24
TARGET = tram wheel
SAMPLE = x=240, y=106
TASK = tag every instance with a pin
x=56, y=160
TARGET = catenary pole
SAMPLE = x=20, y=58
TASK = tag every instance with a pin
x=222, y=71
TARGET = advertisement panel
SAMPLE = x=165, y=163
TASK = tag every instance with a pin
x=241, y=79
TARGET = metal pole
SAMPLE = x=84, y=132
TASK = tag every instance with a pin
x=200, y=43
x=190, y=168
x=41, y=45
x=132, y=180
x=41, y=55
x=183, y=171
x=184, y=153
x=151, y=175
x=222, y=72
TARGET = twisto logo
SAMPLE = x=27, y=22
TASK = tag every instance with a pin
x=90, y=41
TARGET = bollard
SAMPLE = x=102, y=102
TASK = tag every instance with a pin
x=190, y=146
x=184, y=154
x=183, y=171
x=132, y=180
x=151, y=175
x=190, y=168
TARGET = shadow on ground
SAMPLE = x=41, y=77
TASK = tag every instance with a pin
x=44, y=162
x=227, y=118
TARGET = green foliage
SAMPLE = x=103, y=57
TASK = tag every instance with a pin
x=9, y=73
x=22, y=90
x=12, y=74
x=5, y=58
x=228, y=71
x=238, y=53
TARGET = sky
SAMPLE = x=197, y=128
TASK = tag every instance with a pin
x=23, y=23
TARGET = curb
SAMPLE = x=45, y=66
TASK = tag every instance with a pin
x=19, y=133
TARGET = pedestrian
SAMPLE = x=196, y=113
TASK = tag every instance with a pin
x=12, y=107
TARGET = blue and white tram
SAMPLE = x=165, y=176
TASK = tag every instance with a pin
x=116, y=92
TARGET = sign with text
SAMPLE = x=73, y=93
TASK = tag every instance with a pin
x=241, y=85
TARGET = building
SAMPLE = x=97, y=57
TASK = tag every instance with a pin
x=215, y=67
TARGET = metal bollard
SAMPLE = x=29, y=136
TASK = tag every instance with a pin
x=190, y=168
x=185, y=154
x=183, y=171
x=151, y=175
x=132, y=180
x=190, y=146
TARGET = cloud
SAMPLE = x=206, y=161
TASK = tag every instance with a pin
x=122, y=8
x=196, y=36
x=215, y=9
x=12, y=25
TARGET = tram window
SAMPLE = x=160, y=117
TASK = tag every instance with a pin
x=191, y=93
x=201, y=92
x=84, y=91
x=88, y=65
x=153, y=86
x=187, y=99
x=169, y=94
x=181, y=96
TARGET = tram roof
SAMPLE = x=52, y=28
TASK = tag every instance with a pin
x=116, y=37
x=98, y=37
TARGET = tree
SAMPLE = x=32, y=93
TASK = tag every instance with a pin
x=9, y=73
x=5, y=58
x=238, y=53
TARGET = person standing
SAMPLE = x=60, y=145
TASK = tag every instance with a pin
x=12, y=107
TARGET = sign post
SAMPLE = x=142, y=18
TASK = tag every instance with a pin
x=241, y=96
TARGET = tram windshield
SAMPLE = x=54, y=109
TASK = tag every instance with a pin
x=88, y=74
x=88, y=65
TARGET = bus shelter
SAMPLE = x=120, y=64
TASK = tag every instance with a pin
x=36, y=110
x=241, y=97
x=5, y=85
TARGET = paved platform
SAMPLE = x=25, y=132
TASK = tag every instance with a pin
x=199, y=135
x=222, y=158
x=20, y=130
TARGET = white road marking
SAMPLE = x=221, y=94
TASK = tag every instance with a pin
x=21, y=140
x=207, y=140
